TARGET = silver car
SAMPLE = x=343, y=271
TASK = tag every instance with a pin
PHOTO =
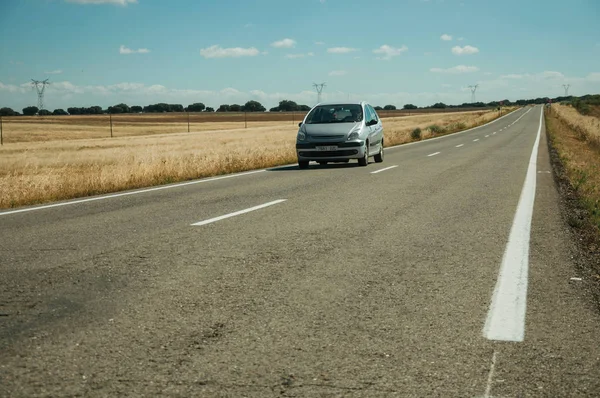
x=338, y=132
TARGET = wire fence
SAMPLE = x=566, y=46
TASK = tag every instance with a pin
x=22, y=129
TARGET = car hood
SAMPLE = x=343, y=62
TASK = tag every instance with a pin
x=329, y=129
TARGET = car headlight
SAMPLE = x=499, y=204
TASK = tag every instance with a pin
x=353, y=135
x=301, y=135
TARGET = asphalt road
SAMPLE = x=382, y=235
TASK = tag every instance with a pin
x=336, y=281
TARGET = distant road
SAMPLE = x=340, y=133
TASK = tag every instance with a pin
x=444, y=271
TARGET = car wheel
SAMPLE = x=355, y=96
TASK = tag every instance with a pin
x=365, y=159
x=379, y=156
x=303, y=164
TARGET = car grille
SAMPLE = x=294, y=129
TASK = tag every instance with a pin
x=328, y=154
x=327, y=137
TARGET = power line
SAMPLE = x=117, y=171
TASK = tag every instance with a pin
x=473, y=89
x=40, y=87
x=319, y=88
x=566, y=87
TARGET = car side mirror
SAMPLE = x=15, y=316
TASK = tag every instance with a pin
x=300, y=124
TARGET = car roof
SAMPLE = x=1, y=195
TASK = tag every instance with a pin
x=342, y=103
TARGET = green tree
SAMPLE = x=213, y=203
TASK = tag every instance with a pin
x=209, y=109
x=409, y=106
x=223, y=108
x=135, y=109
x=235, y=108
x=287, y=106
x=59, y=112
x=254, y=106
x=389, y=108
x=196, y=107
x=44, y=112
x=30, y=110
x=378, y=108
x=6, y=112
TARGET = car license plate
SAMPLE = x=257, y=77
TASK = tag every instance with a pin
x=327, y=148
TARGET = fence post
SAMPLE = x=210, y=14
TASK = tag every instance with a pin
x=111, y=132
x=1, y=138
x=245, y=121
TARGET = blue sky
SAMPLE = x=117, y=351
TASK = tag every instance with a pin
x=102, y=52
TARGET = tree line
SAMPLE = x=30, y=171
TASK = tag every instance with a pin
x=250, y=106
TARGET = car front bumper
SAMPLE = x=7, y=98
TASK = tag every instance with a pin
x=345, y=150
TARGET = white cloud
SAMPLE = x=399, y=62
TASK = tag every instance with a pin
x=446, y=37
x=294, y=56
x=488, y=73
x=512, y=76
x=234, y=52
x=456, y=69
x=285, y=43
x=125, y=50
x=466, y=50
x=552, y=75
x=319, y=43
x=54, y=72
x=117, y=2
x=337, y=73
x=11, y=88
x=594, y=77
x=388, y=52
x=341, y=50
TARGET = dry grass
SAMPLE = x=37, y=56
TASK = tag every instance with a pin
x=588, y=127
x=37, y=172
x=575, y=138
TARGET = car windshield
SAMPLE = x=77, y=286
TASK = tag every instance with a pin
x=343, y=113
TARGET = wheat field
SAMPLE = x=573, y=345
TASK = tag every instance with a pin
x=587, y=126
x=43, y=171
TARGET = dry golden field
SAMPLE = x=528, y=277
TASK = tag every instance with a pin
x=587, y=126
x=36, y=171
x=49, y=128
x=577, y=141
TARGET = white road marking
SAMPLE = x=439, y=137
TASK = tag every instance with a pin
x=459, y=145
x=433, y=154
x=237, y=213
x=117, y=195
x=490, y=380
x=493, y=133
x=486, y=136
x=453, y=134
x=506, y=315
x=387, y=168
x=476, y=139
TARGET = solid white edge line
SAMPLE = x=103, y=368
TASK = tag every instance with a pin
x=433, y=154
x=237, y=213
x=476, y=139
x=506, y=315
x=459, y=145
x=387, y=168
x=117, y=195
x=453, y=134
